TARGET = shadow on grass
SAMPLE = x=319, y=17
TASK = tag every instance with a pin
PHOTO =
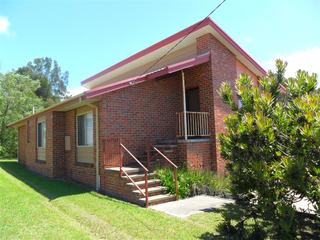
x=230, y=211
x=50, y=188
x=309, y=226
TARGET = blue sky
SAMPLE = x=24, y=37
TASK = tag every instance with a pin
x=87, y=36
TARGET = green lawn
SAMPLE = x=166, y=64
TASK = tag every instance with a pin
x=35, y=207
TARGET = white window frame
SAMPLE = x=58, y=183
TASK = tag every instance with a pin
x=43, y=133
x=85, y=133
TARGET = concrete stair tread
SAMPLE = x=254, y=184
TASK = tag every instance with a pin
x=166, y=146
x=151, y=190
x=129, y=170
x=138, y=175
x=167, y=141
x=141, y=183
x=158, y=198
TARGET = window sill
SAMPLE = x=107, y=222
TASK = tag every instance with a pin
x=83, y=164
x=41, y=161
x=85, y=146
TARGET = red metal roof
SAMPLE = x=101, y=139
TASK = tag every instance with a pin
x=178, y=35
x=152, y=75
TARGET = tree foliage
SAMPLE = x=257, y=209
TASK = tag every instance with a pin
x=17, y=99
x=272, y=145
x=53, y=82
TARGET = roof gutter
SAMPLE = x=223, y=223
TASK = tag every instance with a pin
x=149, y=76
x=15, y=123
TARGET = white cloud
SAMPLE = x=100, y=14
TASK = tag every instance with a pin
x=76, y=90
x=308, y=59
x=4, y=24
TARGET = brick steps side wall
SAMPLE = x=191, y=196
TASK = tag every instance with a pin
x=113, y=184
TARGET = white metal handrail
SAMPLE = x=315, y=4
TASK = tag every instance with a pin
x=197, y=124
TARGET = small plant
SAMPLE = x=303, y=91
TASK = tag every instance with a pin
x=194, y=182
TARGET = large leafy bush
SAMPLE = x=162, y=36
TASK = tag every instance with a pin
x=272, y=145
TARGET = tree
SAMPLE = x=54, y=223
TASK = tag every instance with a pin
x=17, y=99
x=272, y=146
x=53, y=83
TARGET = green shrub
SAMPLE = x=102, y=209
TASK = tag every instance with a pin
x=272, y=147
x=8, y=151
x=193, y=182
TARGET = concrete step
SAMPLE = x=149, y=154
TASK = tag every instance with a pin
x=129, y=170
x=141, y=184
x=157, y=199
x=167, y=141
x=166, y=146
x=152, y=191
x=138, y=176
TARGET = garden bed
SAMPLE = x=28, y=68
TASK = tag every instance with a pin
x=194, y=182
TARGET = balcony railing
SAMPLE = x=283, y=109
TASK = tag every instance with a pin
x=197, y=124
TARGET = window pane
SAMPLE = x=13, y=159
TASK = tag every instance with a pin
x=43, y=134
x=81, y=130
x=85, y=129
x=89, y=128
x=39, y=134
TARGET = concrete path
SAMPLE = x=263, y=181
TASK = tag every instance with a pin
x=305, y=206
x=187, y=207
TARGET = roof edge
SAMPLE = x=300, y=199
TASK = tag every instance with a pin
x=172, y=38
x=237, y=46
x=13, y=124
x=149, y=49
x=172, y=68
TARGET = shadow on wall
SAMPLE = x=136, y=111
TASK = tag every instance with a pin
x=50, y=188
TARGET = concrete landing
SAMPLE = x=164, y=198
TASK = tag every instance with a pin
x=187, y=207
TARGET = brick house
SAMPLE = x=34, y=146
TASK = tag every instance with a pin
x=108, y=137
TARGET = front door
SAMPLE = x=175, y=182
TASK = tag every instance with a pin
x=193, y=100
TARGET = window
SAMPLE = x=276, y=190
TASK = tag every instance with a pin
x=85, y=129
x=41, y=134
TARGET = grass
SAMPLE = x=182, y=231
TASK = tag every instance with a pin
x=36, y=207
x=193, y=182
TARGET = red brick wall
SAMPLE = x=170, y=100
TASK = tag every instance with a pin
x=58, y=158
x=70, y=129
x=113, y=184
x=223, y=68
x=197, y=154
x=58, y=161
x=31, y=162
x=147, y=112
x=243, y=69
x=200, y=76
x=84, y=173
x=142, y=113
